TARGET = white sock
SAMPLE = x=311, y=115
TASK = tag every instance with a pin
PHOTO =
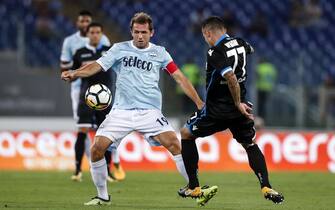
x=178, y=159
x=115, y=155
x=99, y=177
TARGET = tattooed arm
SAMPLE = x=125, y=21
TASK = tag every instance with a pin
x=234, y=89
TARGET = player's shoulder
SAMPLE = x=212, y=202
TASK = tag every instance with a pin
x=71, y=37
x=121, y=45
x=245, y=44
x=240, y=40
x=158, y=50
x=81, y=51
x=157, y=47
x=228, y=43
x=104, y=36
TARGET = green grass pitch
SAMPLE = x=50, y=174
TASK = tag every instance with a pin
x=157, y=190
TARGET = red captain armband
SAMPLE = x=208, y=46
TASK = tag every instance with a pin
x=171, y=67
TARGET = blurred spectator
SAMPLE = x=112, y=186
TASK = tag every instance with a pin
x=55, y=6
x=44, y=25
x=313, y=12
x=196, y=18
x=231, y=24
x=307, y=14
x=192, y=71
x=297, y=13
x=259, y=25
x=265, y=82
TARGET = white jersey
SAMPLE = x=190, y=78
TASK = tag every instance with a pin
x=71, y=44
x=137, y=83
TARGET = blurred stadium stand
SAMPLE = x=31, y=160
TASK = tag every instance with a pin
x=301, y=45
x=286, y=46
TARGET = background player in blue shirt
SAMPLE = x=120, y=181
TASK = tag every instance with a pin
x=70, y=46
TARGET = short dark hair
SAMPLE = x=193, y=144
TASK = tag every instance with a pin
x=213, y=23
x=85, y=13
x=142, y=18
x=95, y=24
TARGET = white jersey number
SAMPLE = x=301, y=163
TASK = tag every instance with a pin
x=234, y=52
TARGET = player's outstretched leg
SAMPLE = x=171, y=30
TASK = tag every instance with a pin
x=170, y=141
x=258, y=165
x=99, y=171
x=79, y=149
x=190, y=158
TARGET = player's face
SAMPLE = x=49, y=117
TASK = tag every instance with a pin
x=208, y=36
x=141, y=35
x=94, y=34
x=82, y=22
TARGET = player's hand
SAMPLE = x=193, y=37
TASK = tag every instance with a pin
x=246, y=110
x=68, y=76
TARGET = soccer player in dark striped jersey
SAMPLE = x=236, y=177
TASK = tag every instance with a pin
x=226, y=107
x=88, y=118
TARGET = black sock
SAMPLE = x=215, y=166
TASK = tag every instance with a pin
x=258, y=165
x=191, y=158
x=108, y=160
x=79, y=149
x=116, y=165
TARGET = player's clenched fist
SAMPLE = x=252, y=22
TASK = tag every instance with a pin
x=68, y=76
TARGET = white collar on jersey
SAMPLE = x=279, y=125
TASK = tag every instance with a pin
x=132, y=44
x=90, y=47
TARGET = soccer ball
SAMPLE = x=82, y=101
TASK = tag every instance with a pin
x=98, y=97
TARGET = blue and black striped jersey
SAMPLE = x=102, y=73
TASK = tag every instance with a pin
x=228, y=54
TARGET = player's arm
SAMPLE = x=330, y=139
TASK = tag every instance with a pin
x=182, y=81
x=102, y=64
x=66, y=57
x=84, y=71
x=76, y=63
x=187, y=87
x=65, y=65
x=234, y=89
x=220, y=61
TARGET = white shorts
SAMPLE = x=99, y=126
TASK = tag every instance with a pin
x=75, y=91
x=119, y=123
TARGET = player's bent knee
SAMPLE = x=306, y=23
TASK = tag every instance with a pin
x=99, y=147
x=175, y=147
x=97, y=153
x=185, y=134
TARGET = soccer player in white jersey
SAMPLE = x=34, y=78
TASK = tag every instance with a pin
x=138, y=100
x=70, y=45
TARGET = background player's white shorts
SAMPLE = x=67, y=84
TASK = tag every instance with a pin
x=119, y=123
